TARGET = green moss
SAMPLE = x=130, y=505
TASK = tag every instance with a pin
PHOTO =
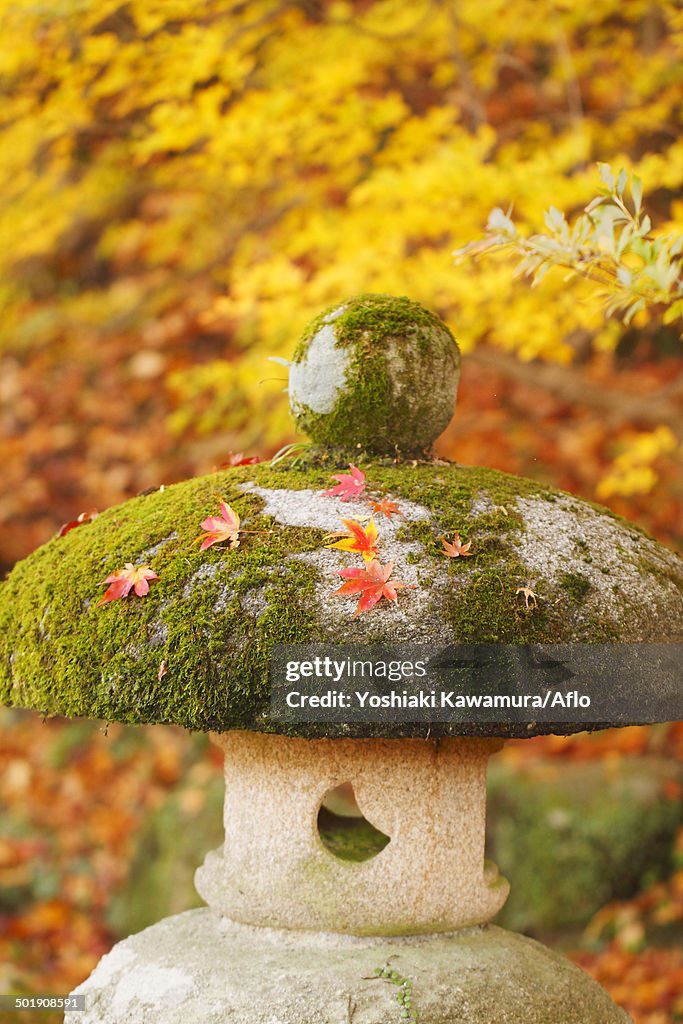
x=576, y=585
x=352, y=839
x=662, y=573
x=383, y=405
x=385, y=316
x=483, y=605
x=213, y=617
x=69, y=656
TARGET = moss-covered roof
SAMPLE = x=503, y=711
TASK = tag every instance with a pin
x=211, y=619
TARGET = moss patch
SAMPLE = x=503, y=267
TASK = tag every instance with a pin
x=352, y=839
x=213, y=617
x=385, y=316
x=576, y=585
x=64, y=654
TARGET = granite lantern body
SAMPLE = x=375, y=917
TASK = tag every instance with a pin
x=352, y=886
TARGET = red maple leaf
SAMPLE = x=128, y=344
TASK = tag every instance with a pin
x=220, y=528
x=385, y=507
x=239, y=459
x=455, y=548
x=84, y=517
x=372, y=583
x=351, y=485
x=362, y=540
x=131, y=577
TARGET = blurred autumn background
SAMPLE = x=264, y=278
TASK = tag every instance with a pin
x=182, y=187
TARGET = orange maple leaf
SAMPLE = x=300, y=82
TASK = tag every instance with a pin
x=225, y=527
x=351, y=485
x=385, y=507
x=362, y=540
x=131, y=577
x=455, y=548
x=371, y=583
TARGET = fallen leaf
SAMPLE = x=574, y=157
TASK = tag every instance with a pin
x=163, y=669
x=225, y=527
x=455, y=548
x=361, y=540
x=239, y=459
x=84, y=517
x=371, y=583
x=528, y=595
x=131, y=577
x=351, y=485
x=385, y=507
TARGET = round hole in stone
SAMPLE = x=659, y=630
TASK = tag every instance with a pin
x=344, y=831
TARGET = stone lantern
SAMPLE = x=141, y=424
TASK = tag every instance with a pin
x=352, y=886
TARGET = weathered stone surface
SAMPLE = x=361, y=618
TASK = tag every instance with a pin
x=375, y=371
x=190, y=969
x=214, y=616
x=273, y=870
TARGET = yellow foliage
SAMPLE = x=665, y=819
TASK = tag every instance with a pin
x=632, y=471
x=244, y=164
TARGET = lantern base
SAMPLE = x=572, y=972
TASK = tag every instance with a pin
x=198, y=967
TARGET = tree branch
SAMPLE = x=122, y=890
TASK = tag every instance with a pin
x=571, y=386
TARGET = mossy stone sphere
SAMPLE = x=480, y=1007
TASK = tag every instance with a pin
x=375, y=372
